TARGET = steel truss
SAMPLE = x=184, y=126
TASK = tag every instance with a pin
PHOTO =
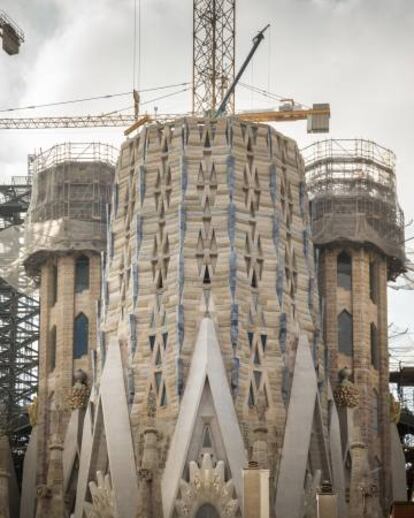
x=19, y=333
x=213, y=53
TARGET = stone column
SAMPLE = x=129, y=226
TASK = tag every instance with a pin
x=384, y=391
x=42, y=411
x=256, y=492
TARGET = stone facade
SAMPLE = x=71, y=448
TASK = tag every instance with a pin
x=207, y=356
x=210, y=219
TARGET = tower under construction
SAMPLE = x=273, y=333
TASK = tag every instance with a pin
x=358, y=232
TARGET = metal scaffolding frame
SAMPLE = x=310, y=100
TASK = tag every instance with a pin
x=19, y=332
x=351, y=186
x=213, y=53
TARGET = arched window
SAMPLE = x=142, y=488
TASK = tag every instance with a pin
x=207, y=511
x=81, y=273
x=80, y=336
x=345, y=333
x=344, y=271
x=52, y=349
x=374, y=346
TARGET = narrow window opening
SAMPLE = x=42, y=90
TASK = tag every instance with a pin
x=52, y=348
x=158, y=357
x=374, y=346
x=80, y=336
x=257, y=378
x=373, y=281
x=54, y=284
x=207, y=439
x=254, y=279
x=345, y=333
x=206, y=279
x=158, y=377
x=344, y=271
x=163, y=401
x=81, y=274
x=251, y=396
x=250, y=336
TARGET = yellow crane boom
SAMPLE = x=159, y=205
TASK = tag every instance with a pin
x=317, y=117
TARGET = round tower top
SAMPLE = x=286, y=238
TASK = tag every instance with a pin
x=351, y=186
x=71, y=189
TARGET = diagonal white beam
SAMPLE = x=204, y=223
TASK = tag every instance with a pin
x=290, y=485
x=118, y=435
x=206, y=363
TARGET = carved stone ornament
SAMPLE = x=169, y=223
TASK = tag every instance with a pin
x=346, y=394
x=145, y=474
x=102, y=498
x=151, y=404
x=206, y=486
x=79, y=395
x=43, y=491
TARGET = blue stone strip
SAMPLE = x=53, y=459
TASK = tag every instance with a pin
x=182, y=222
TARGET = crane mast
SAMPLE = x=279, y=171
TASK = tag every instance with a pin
x=213, y=53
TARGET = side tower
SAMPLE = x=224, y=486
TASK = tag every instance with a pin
x=65, y=234
x=358, y=231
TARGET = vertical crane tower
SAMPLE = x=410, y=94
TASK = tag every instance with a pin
x=213, y=53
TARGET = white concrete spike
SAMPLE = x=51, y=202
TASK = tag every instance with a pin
x=206, y=364
x=115, y=421
x=297, y=436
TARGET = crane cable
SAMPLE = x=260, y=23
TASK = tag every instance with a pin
x=136, y=68
x=148, y=101
x=269, y=95
x=73, y=101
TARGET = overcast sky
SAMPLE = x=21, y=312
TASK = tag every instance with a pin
x=358, y=55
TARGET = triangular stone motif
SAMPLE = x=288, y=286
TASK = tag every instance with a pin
x=206, y=365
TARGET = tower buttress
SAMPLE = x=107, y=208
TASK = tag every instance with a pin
x=358, y=232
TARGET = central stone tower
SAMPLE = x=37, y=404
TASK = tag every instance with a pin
x=210, y=296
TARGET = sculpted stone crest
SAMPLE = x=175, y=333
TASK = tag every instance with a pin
x=207, y=485
x=102, y=497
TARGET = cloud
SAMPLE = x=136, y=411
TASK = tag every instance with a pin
x=355, y=54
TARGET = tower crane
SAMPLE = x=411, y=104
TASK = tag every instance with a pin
x=213, y=69
x=11, y=34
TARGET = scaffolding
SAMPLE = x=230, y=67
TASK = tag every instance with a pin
x=19, y=324
x=72, y=186
x=351, y=186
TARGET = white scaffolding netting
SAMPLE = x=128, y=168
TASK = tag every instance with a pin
x=71, y=190
x=12, y=252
